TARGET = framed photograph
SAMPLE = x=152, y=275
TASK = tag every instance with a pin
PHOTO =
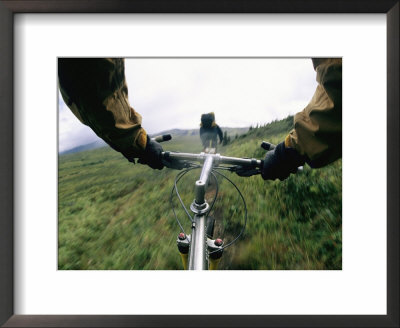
x=86, y=241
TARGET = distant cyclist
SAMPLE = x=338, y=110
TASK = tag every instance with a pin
x=209, y=130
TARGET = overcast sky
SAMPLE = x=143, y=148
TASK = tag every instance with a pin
x=173, y=93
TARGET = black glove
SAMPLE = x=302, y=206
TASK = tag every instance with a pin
x=280, y=162
x=152, y=155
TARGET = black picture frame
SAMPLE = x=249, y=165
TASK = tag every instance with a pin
x=7, y=10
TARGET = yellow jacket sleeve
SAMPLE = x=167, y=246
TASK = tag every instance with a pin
x=317, y=129
x=95, y=90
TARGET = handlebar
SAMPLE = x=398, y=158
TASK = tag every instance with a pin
x=242, y=166
x=217, y=159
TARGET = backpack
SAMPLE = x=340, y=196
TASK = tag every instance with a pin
x=208, y=120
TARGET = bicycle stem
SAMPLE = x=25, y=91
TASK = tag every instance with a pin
x=197, y=256
x=202, y=182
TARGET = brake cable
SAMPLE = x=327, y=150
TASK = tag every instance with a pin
x=216, y=193
x=175, y=187
x=245, y=214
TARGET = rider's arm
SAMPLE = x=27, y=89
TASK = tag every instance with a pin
x=317, y=132
x=95, y=90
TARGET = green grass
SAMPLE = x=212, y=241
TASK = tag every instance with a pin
x=116, y=215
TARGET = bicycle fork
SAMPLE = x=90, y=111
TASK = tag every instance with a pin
x=197, y=251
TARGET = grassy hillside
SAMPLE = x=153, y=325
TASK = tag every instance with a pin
x=232, y=132
x=115, y=215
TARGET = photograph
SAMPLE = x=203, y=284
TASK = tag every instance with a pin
x=142, y=140
x=199, y=163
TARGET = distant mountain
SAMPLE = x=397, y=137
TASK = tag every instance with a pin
x=174, y=133
x=194, y=132
x=93, y=145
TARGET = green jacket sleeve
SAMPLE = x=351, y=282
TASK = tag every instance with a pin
x=95, y=90
x=317, y=129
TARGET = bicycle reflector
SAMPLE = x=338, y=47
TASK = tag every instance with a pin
x=215, y=251
x=218, y=242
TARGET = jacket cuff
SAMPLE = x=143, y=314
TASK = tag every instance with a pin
x=288, y=143
x=137, y=148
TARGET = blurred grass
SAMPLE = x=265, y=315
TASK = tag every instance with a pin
x=116, y=215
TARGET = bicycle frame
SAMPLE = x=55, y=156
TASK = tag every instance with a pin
x=198, y=249
x=197, y=244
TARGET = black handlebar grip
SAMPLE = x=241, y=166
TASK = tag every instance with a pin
x=254, y=163
x=267, y=146
x=165, y=155
x=167, y=137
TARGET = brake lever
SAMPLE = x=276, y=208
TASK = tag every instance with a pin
x=176, y=165
x=245, y=171
x=267, y=146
